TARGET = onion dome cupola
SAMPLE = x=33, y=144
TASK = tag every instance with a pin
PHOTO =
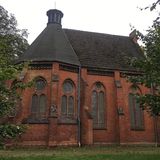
x=52, y=44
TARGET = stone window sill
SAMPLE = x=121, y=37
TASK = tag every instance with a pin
x=100, y=127
x=33, y=120
x=67, y=120
x=137, y=129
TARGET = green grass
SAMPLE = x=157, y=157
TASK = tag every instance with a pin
x=84, y=153
x=97, y=157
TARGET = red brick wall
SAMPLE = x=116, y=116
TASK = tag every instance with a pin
x=128, y=135
x=36, y=134
x=27, y=94
x=53, y=133
x=117, y=126
x=117, y=129
x=108, y=135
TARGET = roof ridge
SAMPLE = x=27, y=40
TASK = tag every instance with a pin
x=96, y=32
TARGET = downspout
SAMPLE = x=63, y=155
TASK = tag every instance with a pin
x=79, y=104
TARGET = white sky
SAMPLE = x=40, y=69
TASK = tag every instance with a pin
x=104, y=16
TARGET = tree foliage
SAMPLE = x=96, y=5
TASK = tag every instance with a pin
x=12, y=44
x=12, y=40
x=153, y=5
x=149, y=66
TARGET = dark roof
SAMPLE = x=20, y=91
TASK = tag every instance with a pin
x=51, y=45
x=103, y=50
x=76, y=47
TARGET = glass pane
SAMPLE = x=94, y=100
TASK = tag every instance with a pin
x=101, y=110
x=64, y=105
x=132, y=110
x=139, y=116
x=34, y=107
x=98, y=85
x=71, y=105
x=94, y=107
x=42, y=104
x=40, y=84
x=68, y=87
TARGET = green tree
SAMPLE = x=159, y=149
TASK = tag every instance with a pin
x=12, y=44
x=149, y=67
x=12, y=40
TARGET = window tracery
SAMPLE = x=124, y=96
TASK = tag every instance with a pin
x=39, y=99
x=136, y=112
x=98, y=106
x=68, y=98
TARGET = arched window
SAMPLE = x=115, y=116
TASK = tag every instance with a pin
x=98, y=106
x=136, y=112
x=67, y=99
x=39, y=99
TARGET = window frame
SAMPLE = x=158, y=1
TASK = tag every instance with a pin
x=68, y=95
x=38, y=115
x=97, y=120
x=40, y=79
x=136, y=115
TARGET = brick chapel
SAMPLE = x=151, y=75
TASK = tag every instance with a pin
x=81, y=96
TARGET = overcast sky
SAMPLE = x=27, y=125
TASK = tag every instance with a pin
x=104, y=16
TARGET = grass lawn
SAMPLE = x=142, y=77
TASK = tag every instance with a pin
x=84, y=153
